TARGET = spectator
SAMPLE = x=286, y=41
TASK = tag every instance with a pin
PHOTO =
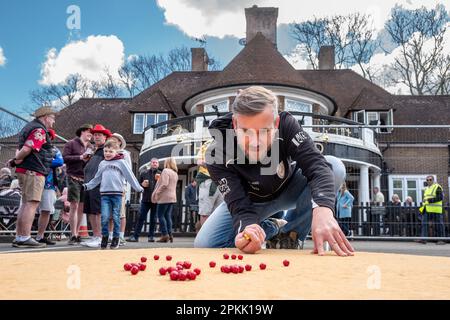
x=432, y=210
x=393, y=218
x=378, y=198
x=147, y=180
x=92, y=198
x=191, y=197
x=408, y=218
x=118, y=138
x=165, y=196
x=76, y=153
x=111, y=176
x=209, y=197
x=47, y=204
x=5, y=178
x=32, y=162
x=344, y=205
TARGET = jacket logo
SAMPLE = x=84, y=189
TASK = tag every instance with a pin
x=223, y=187
x=299, y=138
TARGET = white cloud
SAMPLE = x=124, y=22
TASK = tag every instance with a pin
x=2, y=57
x=298, y=57
x=220, y=18
x=89, y=58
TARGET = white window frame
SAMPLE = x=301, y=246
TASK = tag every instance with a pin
x=307, y=120
x=134, y=122
x=356, y=113
x=391, y=116
x=146, y=115
x=420, y=179
x=366, y=113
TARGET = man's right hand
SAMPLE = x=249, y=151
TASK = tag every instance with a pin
x=11, y=163
x=256, y=236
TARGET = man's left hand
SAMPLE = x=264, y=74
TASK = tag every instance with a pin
x=325, y=228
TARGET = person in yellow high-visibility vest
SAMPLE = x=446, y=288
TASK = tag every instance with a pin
x=432, y=210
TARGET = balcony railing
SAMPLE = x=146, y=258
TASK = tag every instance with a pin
x=321, y=124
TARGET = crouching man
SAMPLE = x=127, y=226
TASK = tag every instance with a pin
x=263, y=163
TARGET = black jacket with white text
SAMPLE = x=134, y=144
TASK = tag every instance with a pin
x=242, y=183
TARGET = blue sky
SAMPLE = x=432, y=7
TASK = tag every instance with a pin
x=28, y=29
x=33, y=34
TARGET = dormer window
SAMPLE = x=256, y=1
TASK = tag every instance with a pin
x=143, y=120
x=375, y=118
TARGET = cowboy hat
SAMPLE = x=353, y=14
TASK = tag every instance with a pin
x=98, y=128
x=84, y=127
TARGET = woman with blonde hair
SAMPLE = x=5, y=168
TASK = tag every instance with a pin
x=165, y=197
x=344, y=204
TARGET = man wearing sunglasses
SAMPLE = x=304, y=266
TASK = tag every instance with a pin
x=431, y=210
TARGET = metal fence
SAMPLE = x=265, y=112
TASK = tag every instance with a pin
x=404, y=221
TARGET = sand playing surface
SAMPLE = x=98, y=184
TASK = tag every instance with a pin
x=100, y=275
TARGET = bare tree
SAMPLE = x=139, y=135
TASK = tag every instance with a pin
x=110, y=87
x=422, y=64
x=352, y=36
x=58, y=95
x=140, y=72
x=10, y=125
x=127, y=79
x=136, y=74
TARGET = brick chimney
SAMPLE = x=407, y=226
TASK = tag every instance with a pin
x=262, y=20
x=199, y=59
x=326, y=58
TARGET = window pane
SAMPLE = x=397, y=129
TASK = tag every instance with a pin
x=150, y=119
x=138, y=123
x=162, y=117
x=397, y=184
x=412, y=194
x=360, y=116
x=411, y=184
x=222, y=106
x=372, y=117
x=299, y=106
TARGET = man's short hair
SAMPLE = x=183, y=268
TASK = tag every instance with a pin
x=254, y=100
x=112, y=145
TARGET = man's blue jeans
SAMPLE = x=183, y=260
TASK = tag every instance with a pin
x=110, y=206
x=217, y=232
x=143, y=211
x=438, y=224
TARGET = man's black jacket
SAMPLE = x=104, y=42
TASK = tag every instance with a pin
x=243, y=184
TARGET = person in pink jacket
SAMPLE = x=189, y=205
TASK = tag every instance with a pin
x=165, y=197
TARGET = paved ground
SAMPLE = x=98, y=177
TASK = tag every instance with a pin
x=430, y=249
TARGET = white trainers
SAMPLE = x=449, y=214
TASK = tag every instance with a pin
x=93, y=243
